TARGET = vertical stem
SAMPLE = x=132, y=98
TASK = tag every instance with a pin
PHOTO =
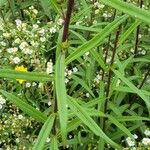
x=67, y=20
x=108, y=45
x=137, y=33
x=110, y=73
x=64, y=39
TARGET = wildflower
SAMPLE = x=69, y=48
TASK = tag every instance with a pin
x=20, y=69
x=60, y=21
x=42, y=39
x=146, y=141
x=52, y=30
x=20, y=117
x=75, y=69
x=2, y=101
x=18, y=22
x=49, y=68
x=69, y=72
x=49, y=103
x=147, y=132
x=28, y=85
x=130, y=142
x=87, y=95
x=16, y=60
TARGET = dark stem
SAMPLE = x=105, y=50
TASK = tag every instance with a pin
x=67, y=20
x=145, y=77
x=110, y=73
x=137, y=34
x=107, y=47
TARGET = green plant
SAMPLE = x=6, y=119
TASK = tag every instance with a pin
x=87, y=84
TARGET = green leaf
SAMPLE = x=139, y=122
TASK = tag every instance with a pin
x=132, y=87
x=54, y=144
x=81, y=113
x=61, y=94
x=39, y=116
x=129, y=9
x=44, y=133
x=119, y=125
x=126, y=34
x=96, y=40
x=30, y=76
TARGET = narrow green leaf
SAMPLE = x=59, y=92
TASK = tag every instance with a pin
x=54, y=144
x=30, y=76
x=39, y=116
x=61, y=94
x=81, y=113
x=45, y=131
x=126, y=34
x=119, y=125
x=132, y=87
x=96, y=40
x=129, y=9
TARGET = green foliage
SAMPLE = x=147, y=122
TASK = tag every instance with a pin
x=88, y=92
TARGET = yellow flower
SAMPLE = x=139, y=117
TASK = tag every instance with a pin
x=20, y=69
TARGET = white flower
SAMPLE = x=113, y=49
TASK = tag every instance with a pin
x=135, y=136
x=27, y=51
x=18, y=22
x=34, y=84
x=146, y=141
x=49, y=68
x=35, y=11
x=96, y=11
x=87, y=95
x=69, y=72
x=75, y=69
x=35, y=26
x=28, y=85
x=23, y=45
x=1, y=106
x=130, y=142
x=48, y=140
x=52, y=30
x=3, y=43
x=42, y=39
x=60, y=21
x=49, y=103
x=42, y=31
x=16, y=60
x=20, y=117
x=147, y=132
x=66, y=80
x=87, y=53
x=17, y=41
x=2, y=100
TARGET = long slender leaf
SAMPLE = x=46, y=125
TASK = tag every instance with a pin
x=132, y=87
x=39, y=116
x=81, y=113
x=30, y=76
x=129, y=9
x=45, y=131
x=96, y=40
x=61, y=94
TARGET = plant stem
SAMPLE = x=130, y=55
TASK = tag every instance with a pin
x=110, y=72
x=107, y=48
x=67, y=20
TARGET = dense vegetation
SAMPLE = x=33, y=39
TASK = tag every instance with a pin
x=74, y=74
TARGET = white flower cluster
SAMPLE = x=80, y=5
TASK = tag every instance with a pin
x=2, y=102
x=68, y=73
x=49, y=68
